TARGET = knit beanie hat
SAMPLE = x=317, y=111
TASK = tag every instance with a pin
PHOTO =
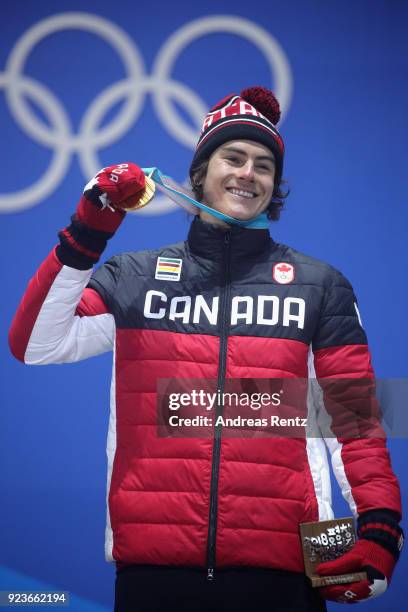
x=252, y=115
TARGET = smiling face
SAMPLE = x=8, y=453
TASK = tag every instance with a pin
x=239, y=180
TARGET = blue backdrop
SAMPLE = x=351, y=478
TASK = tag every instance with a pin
x=124, y=82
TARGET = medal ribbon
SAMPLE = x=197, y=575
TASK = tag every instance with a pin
x=183, y=198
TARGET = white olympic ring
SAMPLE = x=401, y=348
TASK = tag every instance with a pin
x=136, y=84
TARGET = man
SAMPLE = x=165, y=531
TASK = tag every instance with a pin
x=213, y=522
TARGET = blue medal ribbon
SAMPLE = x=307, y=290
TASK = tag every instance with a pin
x=180, y=196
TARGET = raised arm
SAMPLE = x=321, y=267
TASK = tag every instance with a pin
x=59, y=320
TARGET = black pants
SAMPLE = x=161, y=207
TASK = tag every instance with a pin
x=155, y=588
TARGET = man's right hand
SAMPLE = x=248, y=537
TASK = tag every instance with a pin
x=99, y=213
x=119, y=186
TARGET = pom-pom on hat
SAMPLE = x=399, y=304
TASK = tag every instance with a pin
x=252, y=115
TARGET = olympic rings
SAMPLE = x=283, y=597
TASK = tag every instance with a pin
x=58, y=135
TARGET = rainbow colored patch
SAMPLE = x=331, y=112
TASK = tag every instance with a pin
x=168, y=268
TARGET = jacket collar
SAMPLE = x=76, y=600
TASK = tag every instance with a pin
x=208, y=240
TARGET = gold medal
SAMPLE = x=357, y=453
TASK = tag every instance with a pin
x=138, y=201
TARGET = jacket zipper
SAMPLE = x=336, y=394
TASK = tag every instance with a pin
x=224, y=328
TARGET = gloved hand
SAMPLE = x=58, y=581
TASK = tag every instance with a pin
x=376, y=553
x=99, y=213
x=119, y=186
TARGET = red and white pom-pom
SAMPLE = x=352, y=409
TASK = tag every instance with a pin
x=264, y=101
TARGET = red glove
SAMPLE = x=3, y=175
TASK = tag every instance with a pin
x=99, y=214
x=376, y=553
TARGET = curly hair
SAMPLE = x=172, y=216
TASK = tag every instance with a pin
x=279, y=194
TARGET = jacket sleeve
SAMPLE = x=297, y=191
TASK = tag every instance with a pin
x=59, y=319
x=356, y=441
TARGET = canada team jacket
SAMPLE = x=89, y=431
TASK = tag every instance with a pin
x=231, y=304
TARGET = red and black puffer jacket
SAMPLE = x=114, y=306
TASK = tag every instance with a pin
x=223, y=304
x=225, y=501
